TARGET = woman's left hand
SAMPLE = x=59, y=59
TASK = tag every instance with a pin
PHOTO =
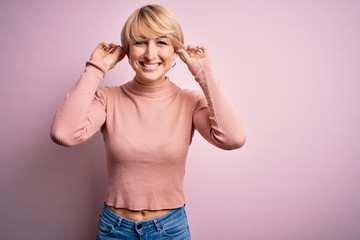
x=190, y=53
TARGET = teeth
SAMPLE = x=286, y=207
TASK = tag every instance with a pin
x=150, y=66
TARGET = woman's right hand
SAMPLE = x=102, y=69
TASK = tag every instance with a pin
x=109, y=53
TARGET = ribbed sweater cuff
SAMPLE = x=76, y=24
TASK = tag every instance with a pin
x=100, y=65
x=200, y=66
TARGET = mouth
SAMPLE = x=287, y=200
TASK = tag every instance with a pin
x=150, y=66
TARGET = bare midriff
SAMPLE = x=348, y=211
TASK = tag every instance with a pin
x=138, y=215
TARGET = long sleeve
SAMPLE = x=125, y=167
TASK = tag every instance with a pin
x=217, y=120
x=82, y=113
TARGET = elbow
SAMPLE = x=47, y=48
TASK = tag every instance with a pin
x=59, y=137
x=235, y=143
x=240, y=142
x=230, y=142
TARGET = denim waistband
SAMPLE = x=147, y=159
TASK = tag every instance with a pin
x=157, y=222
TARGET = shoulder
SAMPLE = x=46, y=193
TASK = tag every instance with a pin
x=108, y=93
x=191, y=94
x=193, y=98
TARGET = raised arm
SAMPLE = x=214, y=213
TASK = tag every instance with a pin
x=82, y=112
x=217, y=121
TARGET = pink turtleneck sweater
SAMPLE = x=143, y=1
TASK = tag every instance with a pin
x=147, y=132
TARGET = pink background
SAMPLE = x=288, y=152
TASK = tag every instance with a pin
x=292, y=68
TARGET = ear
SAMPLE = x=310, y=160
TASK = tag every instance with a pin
x=127, y=51
x=175, y=54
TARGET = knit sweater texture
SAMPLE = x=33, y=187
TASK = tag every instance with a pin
x=147, y=131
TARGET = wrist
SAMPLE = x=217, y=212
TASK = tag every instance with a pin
x=100, y=65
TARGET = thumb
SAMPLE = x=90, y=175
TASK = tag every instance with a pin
x=120, y=53
x=184, y=56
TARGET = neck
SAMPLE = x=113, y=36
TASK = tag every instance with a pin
x=150, y=82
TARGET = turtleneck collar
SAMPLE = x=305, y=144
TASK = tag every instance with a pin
x=164, y=89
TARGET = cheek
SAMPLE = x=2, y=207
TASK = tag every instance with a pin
x=168, y=55
x=132, y=57
x=134, y=53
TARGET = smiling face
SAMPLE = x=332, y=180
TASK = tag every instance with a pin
x=150, y=36
x=151, y=57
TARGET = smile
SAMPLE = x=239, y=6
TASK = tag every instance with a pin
x=150, y=66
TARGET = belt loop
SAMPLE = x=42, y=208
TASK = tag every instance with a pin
x=157, y=225
x=119, y=222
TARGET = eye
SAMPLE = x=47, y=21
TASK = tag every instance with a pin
x=162, y=43
x=140, y=43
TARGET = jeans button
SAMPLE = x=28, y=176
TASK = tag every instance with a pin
x=139, y=226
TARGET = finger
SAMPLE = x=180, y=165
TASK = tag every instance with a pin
x=105, y=45
x=189, y=49
x=115, y=50
x=112, y=47
x=119, y=51
x=184, y=55
x=203, y=49
x=101, y=45
x=108, y=47
x=198, y=50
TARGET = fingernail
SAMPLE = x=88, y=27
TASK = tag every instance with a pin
x=178, y=51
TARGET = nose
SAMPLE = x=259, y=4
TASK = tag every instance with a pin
x=150, y=52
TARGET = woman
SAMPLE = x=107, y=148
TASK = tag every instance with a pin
x=147, y=124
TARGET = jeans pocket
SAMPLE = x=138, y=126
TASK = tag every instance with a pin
x=175, y=228
x=105, y=227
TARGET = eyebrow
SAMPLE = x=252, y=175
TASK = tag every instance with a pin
x=155, y=38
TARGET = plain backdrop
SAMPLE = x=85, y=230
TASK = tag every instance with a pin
x=290, y=67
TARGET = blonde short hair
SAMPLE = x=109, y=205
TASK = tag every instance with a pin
x=154, y=19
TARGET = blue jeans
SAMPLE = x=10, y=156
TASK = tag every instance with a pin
x=172, y=225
